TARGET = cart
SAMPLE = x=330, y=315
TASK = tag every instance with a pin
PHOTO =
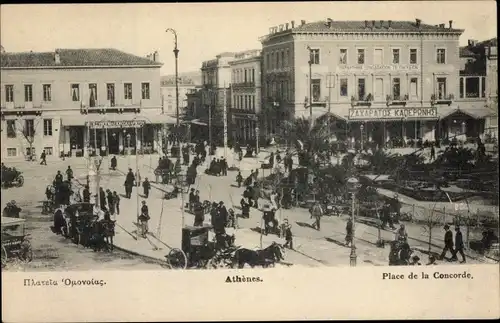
x=15, y=241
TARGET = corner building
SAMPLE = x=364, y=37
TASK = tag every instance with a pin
x=381, y=80
x=76, y=102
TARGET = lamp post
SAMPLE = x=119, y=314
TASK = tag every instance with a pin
x=310, y=87
x=463, y=128
x=176, y=53
x=257, y=140
x=128, y=148
x=352, y=184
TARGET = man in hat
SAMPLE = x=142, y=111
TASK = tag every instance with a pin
x=144, y=218
x=316, y=213
x=69, y=173
x=223, y=213
x=459, y=244
x=129, y=183
x=448, y=242
x=111, y=203
x=116, y=201
x=191, y=200
x=114, y=163
x=146, y=187
x=224, y=166
x=86, y=194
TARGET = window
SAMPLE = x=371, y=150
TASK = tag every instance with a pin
x=379, y=87
x=253, y=75
x=273, y=60
x=472, y=87
x=396, y=88
x=361, y=89
x=11, y=128
x=441, y=56
x=47, y=93
x=413, y=56
x=75, y=92
x=278, y=60
x=11, y=152
x=30, y=151
x=483, y=87
x=361, y=56
x=28, y=93
x=29, y=128
x=461, y=87
x=128, y=91
x=441, y=83
x=246, y=77
x=343, y=87
x=47, y=127
x=283, y=58
x=414, y=87
x=314, y=56
x=378, y=57
x=268, y=60
x=110, y=93
x=93, y=94
x=145, y=91
x=286, y=57
x=48, y=151
x=316, y=90
x=395, y=56
x=343, y=56
x=9, y=93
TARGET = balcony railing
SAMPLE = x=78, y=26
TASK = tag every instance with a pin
x=110, y=107
x=442, y=99
x=397, y=99
x=243, y=84
x=364, y=100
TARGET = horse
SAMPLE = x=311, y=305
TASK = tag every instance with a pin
x=265, y=257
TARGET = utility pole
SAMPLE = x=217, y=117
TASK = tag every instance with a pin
x=210, y=101
x=310, y=87
x=330, y=84
x=137, y=181
x=225, y=121
x=176, y=53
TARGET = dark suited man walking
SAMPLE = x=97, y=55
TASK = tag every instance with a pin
x=448, y=242
x=459, y=244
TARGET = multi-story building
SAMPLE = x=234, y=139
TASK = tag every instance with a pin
x=80, y=101
x=186, y=84
x=479, y=79
x=246, y=94
x=380, y=79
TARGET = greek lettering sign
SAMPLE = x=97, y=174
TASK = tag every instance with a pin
x=378, y=67
x=392, y=113
x=116, y=124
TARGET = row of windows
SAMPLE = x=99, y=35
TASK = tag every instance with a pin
x=279, y=90
x=75, y=92
x=378, y=56
x=12, y=152
x=278, y=59
x=245, y=102
x=246, y=75
x=361, y=91
x=473, y=87
x=28, y=128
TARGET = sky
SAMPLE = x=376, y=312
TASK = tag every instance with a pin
x=206, y=29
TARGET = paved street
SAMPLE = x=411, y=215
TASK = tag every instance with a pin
x=312, y=248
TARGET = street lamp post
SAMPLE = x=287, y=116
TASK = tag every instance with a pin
x=128, y=148
x=310, y=86
x=361, y=128
x=176, y=53
x=353, y=186
x=257, y=140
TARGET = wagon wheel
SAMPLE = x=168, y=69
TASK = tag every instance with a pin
x=26, y=254
x=4, y=256
x=20, y=181
x=177, y=259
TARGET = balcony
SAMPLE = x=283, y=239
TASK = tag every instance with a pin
x=362, y=100
x=243, y=84
x=446, y=99
x=396, y=100
x=110, y=107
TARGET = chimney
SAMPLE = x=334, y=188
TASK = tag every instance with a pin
x=329, y=22
x=302, y=22
x=417, y=22
x=156, y=57
x=293, y=23
x=441, y=25
x=390, y=23
x=451, y=24
x=366, y=23
x=57, y=57
x=286, y=26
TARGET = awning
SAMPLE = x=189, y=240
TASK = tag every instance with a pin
x=338, y=111
x=474, y=112
x=80, y=120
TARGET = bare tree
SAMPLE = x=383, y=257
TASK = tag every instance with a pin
x=28, y=129
x=431, y=219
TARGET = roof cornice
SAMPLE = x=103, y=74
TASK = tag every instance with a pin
x=77, y=67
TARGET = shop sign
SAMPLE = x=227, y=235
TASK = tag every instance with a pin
x=392, y=113
x=116, y=124
x=378, y=68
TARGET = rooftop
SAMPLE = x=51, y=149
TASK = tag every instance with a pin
x=74, y=58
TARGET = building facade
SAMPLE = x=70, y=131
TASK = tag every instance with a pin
x=382, y=80
x=246, y=94
x=186, y=85
x=78, y=102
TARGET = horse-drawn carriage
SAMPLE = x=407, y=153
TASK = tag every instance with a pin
x=11, y=177
x=15, y=241
x=83, y=225
x=199, y=251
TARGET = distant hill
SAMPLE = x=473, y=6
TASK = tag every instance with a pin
x=185, y=78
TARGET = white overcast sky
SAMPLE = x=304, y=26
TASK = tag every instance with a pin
x=205, y=29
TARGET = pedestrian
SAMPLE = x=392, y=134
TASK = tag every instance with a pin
x=14, y=210
x=143, y=219
x=245, y=208
x=433, y=152
x=129, y=183
x=271, y=160
x=348, y=232
x=116, y=200
x=401, y=234
x=197, y=197
x=448, y=242
x=146, y=186
x=404, y=254
x=102, y=199
x=224, y=166
x=86, y=194
x=199, y=215
x=255, y=195
x=459, y=245
x=177, y=167
x=278, y=157
x=114, y=163
x=191, y=200
x=239, y=179
x=223, y=212
x=111, y=203
x=214, y=213
x=43, y=157
x=59, y=178
x=287, y=228
x=316, y=213
x=274, y=200
x=69, y=173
